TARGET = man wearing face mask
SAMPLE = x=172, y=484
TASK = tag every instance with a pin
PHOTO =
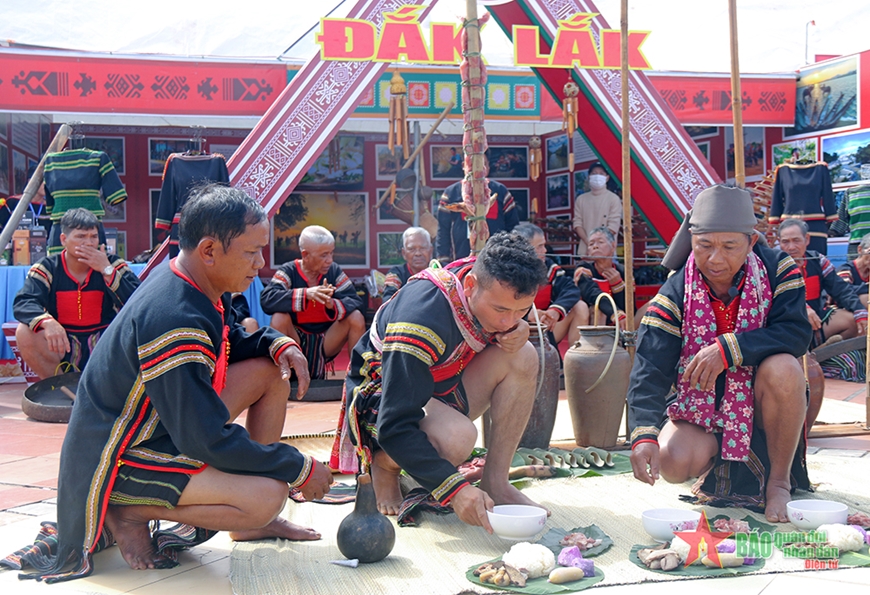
x=596, y=208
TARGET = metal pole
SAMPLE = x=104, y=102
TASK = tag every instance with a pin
x=419, y=164
x=736, y=99
x=32, y=186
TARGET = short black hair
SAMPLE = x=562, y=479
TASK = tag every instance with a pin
x=78, y=219
x=217, y=211
x=510, y=259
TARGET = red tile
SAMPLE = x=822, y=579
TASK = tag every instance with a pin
x=29, y=471
x=21, y=496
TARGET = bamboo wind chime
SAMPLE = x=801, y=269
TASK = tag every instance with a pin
x=570, y=105
x=535, y=157
x=398, y=135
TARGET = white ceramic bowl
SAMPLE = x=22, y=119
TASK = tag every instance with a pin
x=661, y=523
x=517, y=522
x=810, y=514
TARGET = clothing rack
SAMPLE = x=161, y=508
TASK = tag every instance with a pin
x=195, y=142
x=76, y=137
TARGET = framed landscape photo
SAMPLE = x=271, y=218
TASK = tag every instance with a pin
x=848, y=157
x=345, y=214
x=113, y=146
x=827, y=98
x=705, y=149
x=388, y=163
x=557, y=153
x=159, y=150
x=389, y=249
x=753, y=152
x=558, y=193
x=339, y=167
x=446, y=162
x=795, y=150
x=509, y=162
x=697, y=132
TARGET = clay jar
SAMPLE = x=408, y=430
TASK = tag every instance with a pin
x=596, y=415
x=539, y=430
x=366, y=534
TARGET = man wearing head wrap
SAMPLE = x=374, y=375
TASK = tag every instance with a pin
x=725, y=330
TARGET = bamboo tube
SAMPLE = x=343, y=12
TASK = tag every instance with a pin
x=32, y=186
x=736, y=99
x=416, y=152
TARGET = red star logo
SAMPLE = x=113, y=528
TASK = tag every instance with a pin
x=702, y=534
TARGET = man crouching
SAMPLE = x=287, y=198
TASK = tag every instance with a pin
x=151, y=435
x=726, y=330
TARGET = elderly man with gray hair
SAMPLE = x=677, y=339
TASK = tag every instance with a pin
x=313, y=301
x=725, y=331
x=417, y=252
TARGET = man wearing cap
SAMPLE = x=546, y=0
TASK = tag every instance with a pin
x=596, y=208
x=726, y=330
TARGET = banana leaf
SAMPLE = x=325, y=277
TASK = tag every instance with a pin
x=552, y=537
x=539, y=586
x=696, y=570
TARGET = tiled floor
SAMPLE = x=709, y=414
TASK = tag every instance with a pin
x=29, y=457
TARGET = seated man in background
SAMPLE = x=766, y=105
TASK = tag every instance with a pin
x=560, y=308
x=151, y=435
x=725, y=330
x=601, y=274
x=314, y=303
x=243, y=312
x=857, y=272
x=68, y=299
x=849, y=318
x=449, y=346
x=417, y=252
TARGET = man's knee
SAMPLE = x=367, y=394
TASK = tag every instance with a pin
x=781, y=375
x=581, y=313
x=269, y=502
x=454, y=441
x=356, y=321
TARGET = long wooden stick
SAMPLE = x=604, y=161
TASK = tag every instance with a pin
x=627, y=235
x=736, y=99
x=866, y=375
x=32, y=186
x=416, y=151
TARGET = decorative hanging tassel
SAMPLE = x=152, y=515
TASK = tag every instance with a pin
x=569, y=117
x=398, y=134
x=535, y=157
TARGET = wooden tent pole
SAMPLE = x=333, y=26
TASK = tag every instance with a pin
x=736, y=99
x=32, y=186
x=627, y=235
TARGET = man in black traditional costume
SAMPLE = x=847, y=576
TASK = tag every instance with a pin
x=726, y=330
x=449, y=346
x=417, y=252
x=151, y=435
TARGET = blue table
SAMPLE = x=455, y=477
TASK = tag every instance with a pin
x=12, y=278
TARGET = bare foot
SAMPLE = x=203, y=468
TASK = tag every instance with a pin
x=133, y=538
x=778, y=495
x=385, y=481
x=281, y=528
x=506, y=493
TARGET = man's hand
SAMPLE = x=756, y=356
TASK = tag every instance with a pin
x=513, y=340
x=292, y=358
x=96, y=259
x=611, y=275
x=55, y=336
x=862, y=326
x=470, y=505
x=322, y=294
x=815, y=321
x=619, y=319
x=645, y=462
x=318, y=483
x=549, y=317
x=581, y=271
x=706, y=366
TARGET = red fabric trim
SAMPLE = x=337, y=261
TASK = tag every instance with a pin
x=307, y=479
x=174, y=350
x=284, y=348
x=449, y=497
x=159, y=468
x=412, y=341
x=813, y=287
x=315, y=312
x=603, y=285
x=664, y=314
x=79, y=308
x=722, y=353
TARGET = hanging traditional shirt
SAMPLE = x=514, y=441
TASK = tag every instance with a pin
x=451, y=242
x=804, y=192
x=76, y=178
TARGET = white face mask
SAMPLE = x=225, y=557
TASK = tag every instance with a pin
x=597, y=181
